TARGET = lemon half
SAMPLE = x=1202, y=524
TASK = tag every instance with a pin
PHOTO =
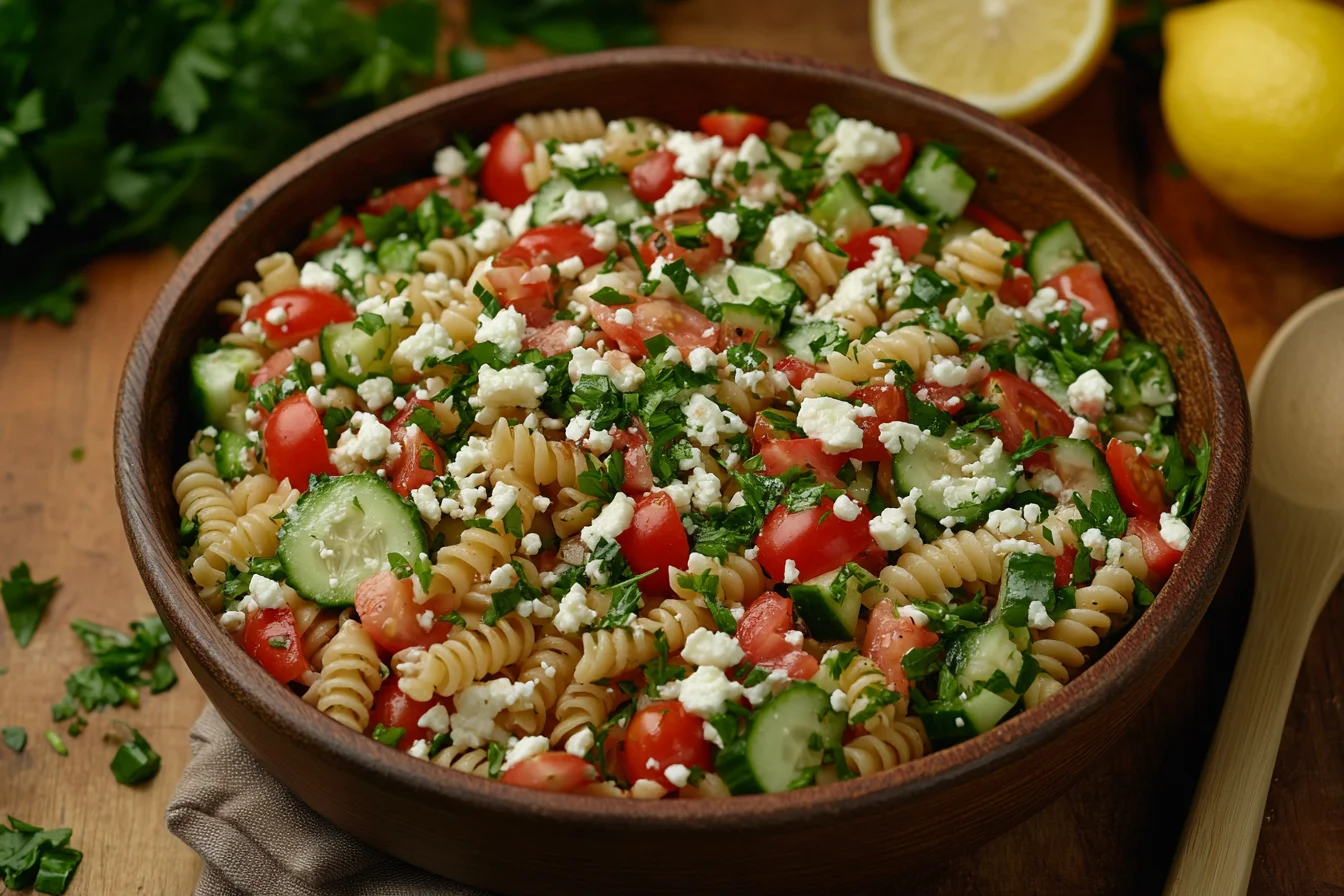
x=1019, y=59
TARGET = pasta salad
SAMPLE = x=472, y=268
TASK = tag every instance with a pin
x=625, y=460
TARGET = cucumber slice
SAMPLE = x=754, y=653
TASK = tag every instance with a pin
x=813, y=340
x=936, y=185
x=347, y=349
x=829, y=604
x=935, y=468
x=231, y=454
x=751, y=297
x=1056, y=248
x=546, y=205
x=398, y=253
x=214, y=380
x=622, y=206
x=1147, y=366
x=841, y=210
x=1081, y=466
x=357, y=520
x=975, y=656
x=353, y=260
x=792, y=732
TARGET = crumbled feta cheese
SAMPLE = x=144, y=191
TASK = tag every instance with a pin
x=598, y=442
x=793, y=638
x=520, y=219
x=832, y=422
x=368, y=439
x=894, y=528
x=1038, y=617
x=429, y=341
x=314, y=276
x=950, y=372
x=701, y=359
x=1016, y=546
x=266, y=593
x=859, y=144
x=683, y=194
x=1083, y=429
x=427, y=502
x=526, y=748
x=695, y=155
x=625, y=317
x=277, y=316
x=846, y=509
x=450, y=163
x=839, y=701
x=605, y=237
x=473, y=722
x=677, y=774
x=1008, y=523
x=580, y=742
x=858, y=290
x=376, y=392
x=232, y=620
x=888, y=215
x=435, y=718
x=898, y=436
x=579, y=205
x=1095, y=543
x=577, y=156
x=710, y=648
x=1032, y=514
x=783, y=235
x=502, y=500
x=704, y=691
x=574, y=612
x=530, y=544
x=1087, y=394
x=521, y=386
x=1174, y=532
x=570, y=267
x=611, y=522
x=914, y=614
x=726, y=227
x=505, y=330
x=490, y=236
x=706, y=421
x=706, y=490
x=790, y=572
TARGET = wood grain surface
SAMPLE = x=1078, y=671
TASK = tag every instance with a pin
x=1112, y=833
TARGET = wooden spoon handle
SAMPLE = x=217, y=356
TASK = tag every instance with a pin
x=1218, y=844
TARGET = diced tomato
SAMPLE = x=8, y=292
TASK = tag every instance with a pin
x=1023, y=407
x=889, y=638
x=551, y=244
x=908, y=240
x=891, y=173
x=460, y=192
x=550, y=340
x=687, y=328
x=763, y=431
x=734, y=127
x=999, y=227
x=796, y=369
x=816, y=540
x=275, y=366
x=654, y=175
x=393, y=709
x=501, y=174
x=421, y=459
x=1064, y=566
x=271, y=637
x=889, y=403
x=761, y=632
x=1083, y=284
x=655, y=540
x=873, y=558
x=554, y=772
x=331, y=237
x=634, y=447
x=295, y=443
x=949, y=399
x=1017, y=290
x=663, y=734
x=780, y=456
x=1141, y=489
x=529, y=294
x=306, y=312
x=661, y=244
x=389, y=613
x=1160, y=556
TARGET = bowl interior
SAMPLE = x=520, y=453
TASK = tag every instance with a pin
x=1033, y=186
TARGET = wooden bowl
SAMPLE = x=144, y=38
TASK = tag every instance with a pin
x=523, y=841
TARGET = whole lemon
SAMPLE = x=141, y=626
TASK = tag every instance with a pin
x=1253, y=98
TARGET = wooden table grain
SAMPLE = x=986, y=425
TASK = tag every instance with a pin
x=1112, y=833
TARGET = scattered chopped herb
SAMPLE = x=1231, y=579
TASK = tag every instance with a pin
x=135, y=760
x=56, y=743
x=15, y=738
x=25, y=601
x=37, y=858
x=387, y=736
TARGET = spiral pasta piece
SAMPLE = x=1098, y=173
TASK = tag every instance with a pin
x=455, y=257
x=471, y=760
x=739, y=580
x=537, y=171
x=565, y=125
x=316, y=625
x=537, y=460
x=927, y=571
x=203, y=496
x=254, y=534
x=573, y=510
x=860, y=680
x=278, y=273
x=627, y=140
x=458, y=567
x=466, y=656
x=885, y=748
x=581, y=705
x=817, y=271
x=350, y=676
x=914, y=345
x=250, y=491
x=550, y=666
x=608, y=653
x=1041, y=689
x=977, y=260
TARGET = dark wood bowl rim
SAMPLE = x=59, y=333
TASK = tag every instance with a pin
x=1164, y=627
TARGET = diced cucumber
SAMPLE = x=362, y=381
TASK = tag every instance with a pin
x=1081, y=466
x=829, y=604
x=841, y=210
x=352, y=355
x=935, y=468
x=974, y=656
x=791, y=732
x=936, y=185
x=340, y=533
x=813, y=340
x=1027, y=578
x=353, y=260
x=1147, y=366
x=622, y=206
x=1056, y=248
x=231, y=454
x=398, y=253
x=215, y=377
x=751, y=297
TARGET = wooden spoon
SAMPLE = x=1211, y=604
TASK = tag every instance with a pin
x=1297, y=509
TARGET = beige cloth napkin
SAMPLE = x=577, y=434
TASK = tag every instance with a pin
x=257, y=837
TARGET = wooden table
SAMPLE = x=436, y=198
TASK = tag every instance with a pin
x=1112, y=833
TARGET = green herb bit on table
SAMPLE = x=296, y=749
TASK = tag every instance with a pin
x=25, y=601
x=37, y=858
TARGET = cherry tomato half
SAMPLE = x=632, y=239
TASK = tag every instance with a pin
x=460, y=192
x=891, y=173
x=295, y=443
x=761, y=632
x=654, y=175
x=908, y=240
x=302, y=313
x=1023, y=408
x=502, y=171
x=655, y=540
x=889, y=638
x=389, y=613
x=816, y=540
x=663, y=734
x=551, y=244
x=1141, y=489
x=1160, y=556
x=271, y=637
x=393, y=709
x=734, y=127
x=889, y=403
x=554, y=772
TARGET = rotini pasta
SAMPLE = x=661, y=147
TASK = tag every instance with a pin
x=561, y=468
